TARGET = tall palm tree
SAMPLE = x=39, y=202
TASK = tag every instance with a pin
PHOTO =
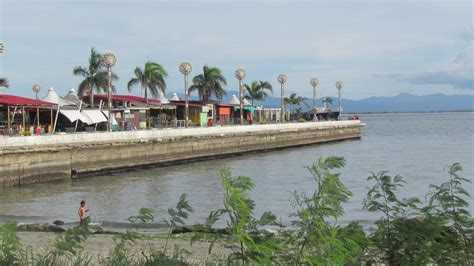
x=265, y=85
x=327, y=100
x=295, y=100
x=152, y=78
x=210, y=83
x=95, y=76
x=4, y=83
x=299, y=101
x=256, y=91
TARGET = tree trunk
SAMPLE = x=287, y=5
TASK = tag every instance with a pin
x=146, y=94
x=92, y=96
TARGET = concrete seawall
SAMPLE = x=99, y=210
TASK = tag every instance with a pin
x=25, y=160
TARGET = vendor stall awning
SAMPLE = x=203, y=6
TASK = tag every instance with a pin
x=74, y=115
x=248, y=108
x=94, y=116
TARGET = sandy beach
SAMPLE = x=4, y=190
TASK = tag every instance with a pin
x=100, y=245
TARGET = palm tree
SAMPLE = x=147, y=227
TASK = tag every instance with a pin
x=298, y=102
x=151, y=78
x=209, y=83
x=4, y=83
x=265, y=85
x=95, y=76
x=295, y=100
x=254, y=92
x=327, y=100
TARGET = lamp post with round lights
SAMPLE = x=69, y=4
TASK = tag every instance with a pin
x=2, y=50
x=108, y=60
x=36, y=90
x=240, y=75
x=339, y=85
x=186, y=68
x=314, y=82
x=282, y=79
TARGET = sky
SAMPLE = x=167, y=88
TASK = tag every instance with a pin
x=378, y=48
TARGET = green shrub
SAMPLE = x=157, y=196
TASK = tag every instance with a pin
x=316, y=240
x=11, y=249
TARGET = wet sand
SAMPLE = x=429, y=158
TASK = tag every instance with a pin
x=100, y=245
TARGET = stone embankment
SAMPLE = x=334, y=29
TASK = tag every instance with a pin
x=25, y=160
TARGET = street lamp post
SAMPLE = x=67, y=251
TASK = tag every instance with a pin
x=2, y=50
x=240, y=75
x=108, y=59
x=186, y=68
x=36, y=90
x=314, y=82
x=339, y=85
x=282, y=79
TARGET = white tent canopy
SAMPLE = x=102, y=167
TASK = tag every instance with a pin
x=94, y=116
x=53, y=97
x=245, y=101
x=71, y=96
x=234, y=100
x=163, y=99
x=174, y=97
x=74, y=115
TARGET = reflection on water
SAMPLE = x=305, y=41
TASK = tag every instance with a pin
x=417, y=146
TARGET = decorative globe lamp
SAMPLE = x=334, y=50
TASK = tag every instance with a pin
x=108, y=60
x=314, y=82
x=240, y=75
x=282, y=79
x=339, y=85
x=36, y=90
x=186, y=68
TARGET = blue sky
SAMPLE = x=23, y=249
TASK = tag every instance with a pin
x=378, y=48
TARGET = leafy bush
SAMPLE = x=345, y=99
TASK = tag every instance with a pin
x=11, y=249
x=440, y=232
x=316, y=240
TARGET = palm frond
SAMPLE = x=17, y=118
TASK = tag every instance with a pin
x=4, y=82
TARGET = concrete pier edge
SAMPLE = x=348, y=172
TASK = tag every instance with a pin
x=26, y=160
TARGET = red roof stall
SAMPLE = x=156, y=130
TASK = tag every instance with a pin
x=28, y=109
x=121, y=100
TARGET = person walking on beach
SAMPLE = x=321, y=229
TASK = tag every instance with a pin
x=82, y=213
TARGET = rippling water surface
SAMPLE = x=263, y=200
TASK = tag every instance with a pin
x=418, y=146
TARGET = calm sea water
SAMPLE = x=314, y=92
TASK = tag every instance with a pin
x=419, y=146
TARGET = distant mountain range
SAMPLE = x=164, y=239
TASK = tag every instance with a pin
x=401, y=103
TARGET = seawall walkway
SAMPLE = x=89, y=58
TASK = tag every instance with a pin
x=25, y=160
